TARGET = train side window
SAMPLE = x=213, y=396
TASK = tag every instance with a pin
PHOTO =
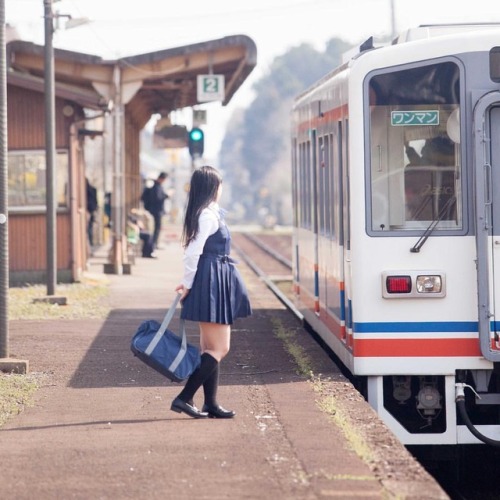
x=414, y=130
x=301, y=186
x=331, y=186
x=326, y=184
x=308, y=190
x=495, y=64
x=321, y=185
x=305, y=182
x=295, y=184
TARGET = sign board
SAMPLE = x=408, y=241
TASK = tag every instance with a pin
x=420, y=117
x=199, y=117
x=210, y=88
x=170, y=136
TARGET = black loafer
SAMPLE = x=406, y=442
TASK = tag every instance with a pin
x=218, y=412
x=180, y=406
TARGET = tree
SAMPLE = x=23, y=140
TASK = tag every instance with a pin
x=255, y=152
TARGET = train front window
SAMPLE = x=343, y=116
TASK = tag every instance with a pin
x=414, y=130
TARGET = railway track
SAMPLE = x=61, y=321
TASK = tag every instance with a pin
x=267, y=252
x=269, y=257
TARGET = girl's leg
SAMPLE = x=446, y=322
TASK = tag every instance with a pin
x=214, y=341
x=196, y=379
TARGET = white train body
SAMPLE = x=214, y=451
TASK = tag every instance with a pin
x=396, y=191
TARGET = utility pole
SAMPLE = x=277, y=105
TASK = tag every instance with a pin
x=4, y=234
x=7, y=364
x=50, y=156
x=50, y=150
x=393, y=21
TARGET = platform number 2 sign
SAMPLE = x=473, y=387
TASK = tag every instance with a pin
x=210, y=88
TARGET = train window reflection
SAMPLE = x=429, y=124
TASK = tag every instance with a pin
x=495, y=64
x=415, y=153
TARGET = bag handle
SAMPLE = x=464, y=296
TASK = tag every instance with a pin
x=182, y=351
x=166, y=320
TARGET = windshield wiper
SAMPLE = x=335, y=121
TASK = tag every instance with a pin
x=430, y=229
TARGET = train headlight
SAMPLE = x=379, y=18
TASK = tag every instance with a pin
x=429, y=284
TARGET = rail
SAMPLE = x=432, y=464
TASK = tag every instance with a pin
x=263, y=276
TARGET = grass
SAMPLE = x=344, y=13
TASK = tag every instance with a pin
x=16, y=392
x=84, y=300
x=328, y=404
x=326, y=401
x=296, y=351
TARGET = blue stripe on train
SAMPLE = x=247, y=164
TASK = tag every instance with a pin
x=342, y=305
x=431, y=326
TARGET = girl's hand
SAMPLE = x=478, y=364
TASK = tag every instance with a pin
x=182, y=290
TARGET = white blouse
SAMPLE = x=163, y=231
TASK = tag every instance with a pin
x=208, y=225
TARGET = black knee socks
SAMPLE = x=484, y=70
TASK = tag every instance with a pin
x=210, y=388
x=198, y=377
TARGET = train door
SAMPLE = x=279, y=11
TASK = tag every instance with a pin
x=345, y=224
x=487, y=185
x=324, y=212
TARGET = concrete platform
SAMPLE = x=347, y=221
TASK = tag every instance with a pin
x=11, y=365
x=101, y=426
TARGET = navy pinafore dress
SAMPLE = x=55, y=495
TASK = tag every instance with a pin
x=218, y=294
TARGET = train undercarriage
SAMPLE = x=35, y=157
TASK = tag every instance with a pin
x=441, y=409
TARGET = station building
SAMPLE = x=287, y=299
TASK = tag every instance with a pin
x=120, y=96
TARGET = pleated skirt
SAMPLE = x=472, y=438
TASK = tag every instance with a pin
x=218, y=293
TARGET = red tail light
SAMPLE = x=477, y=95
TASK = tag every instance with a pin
x=398, y=284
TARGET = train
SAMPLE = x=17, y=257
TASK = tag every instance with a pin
x=396, y=227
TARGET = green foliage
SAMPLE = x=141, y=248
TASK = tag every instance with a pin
x=85, y=300
x=16, y=392
x=257, y=141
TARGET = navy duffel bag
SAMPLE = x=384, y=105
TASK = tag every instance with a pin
x=163, y=350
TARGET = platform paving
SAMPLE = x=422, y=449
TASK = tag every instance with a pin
x=101, y=428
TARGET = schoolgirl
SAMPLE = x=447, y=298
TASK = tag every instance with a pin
x=213, y=292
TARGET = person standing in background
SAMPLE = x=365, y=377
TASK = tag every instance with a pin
x=153, y=199
x=92, y=206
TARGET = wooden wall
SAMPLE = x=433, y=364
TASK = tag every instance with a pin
x=27, y=228
x=26, y=232
x=26, y=123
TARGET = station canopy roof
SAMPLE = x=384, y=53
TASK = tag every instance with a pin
x=155, y=82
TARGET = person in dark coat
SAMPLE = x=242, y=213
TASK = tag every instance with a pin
x=212, y=291
x=153, y=199
x=92, y=206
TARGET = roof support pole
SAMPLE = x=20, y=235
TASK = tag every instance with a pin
x=118, y=192
x=121, y=94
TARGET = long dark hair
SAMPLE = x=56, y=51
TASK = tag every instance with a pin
x=205, y=183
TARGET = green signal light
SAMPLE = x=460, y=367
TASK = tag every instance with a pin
x=196, y=135
x=196, y=142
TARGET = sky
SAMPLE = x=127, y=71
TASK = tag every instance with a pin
x=118, y=28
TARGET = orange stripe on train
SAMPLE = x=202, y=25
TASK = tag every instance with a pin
x=394, y=348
